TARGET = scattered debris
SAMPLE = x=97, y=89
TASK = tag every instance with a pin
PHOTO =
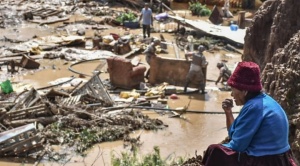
x=20, y=141
x=87, y=113
x=95, y=87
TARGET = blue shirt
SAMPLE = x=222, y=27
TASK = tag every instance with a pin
x=260, y=129
x=147, y=15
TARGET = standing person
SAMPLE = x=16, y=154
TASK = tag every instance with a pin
x=146, y=15
x=225, y=73
x=150, y=53
x=196, y=72
x=259, y=134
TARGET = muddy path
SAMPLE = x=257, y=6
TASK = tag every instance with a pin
x=183, y=136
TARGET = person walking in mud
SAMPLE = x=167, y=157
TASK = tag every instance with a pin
x=224, y=74
x=259, y=134
x=195, y=72
x=146, y=16
x=150, y=53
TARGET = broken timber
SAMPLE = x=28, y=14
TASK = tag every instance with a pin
x=95, y=88
x=30, y=98
x=30, y=112
x=80, y=99
x=29, y=63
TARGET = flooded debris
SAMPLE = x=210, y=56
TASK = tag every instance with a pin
x=35, y=46
x=42, y=120
x=53, y=93
x=9, y=17
x=58, y=82
x=128, y=94
x=123, y=74
x=20, y=141
x=2, y=114
x=42, y=12
x=29, y=63
x=196, y=161
x=95, y=88
x=72, y=54
x=50, y=20
x=68, y=115
x=84, y=132
x=12, y=39
x=216, y=16
x=231, y=48
x=122, y=46
x=81, y=99
x=28, y=16
x=29, y=112
x=27, y=99
x=12, y=66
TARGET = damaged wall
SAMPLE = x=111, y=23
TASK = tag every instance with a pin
x=170, y=70
x=273, y=41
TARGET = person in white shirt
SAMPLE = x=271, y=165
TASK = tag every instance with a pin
x=146, y=16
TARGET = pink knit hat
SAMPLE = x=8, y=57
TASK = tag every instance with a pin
x=246, y=76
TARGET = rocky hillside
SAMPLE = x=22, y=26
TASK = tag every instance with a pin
x=273, y=41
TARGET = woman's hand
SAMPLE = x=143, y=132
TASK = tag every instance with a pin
x=227, y=105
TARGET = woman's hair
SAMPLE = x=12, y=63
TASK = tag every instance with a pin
x=251, y=95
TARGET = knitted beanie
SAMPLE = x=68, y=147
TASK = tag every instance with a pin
x=246, y=77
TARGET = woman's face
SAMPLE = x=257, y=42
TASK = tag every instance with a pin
x=238, y=96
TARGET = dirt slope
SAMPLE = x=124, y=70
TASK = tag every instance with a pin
x=273, y=41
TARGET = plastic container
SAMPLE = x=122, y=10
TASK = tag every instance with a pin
x=234, y=27
x=132, y=25
x=6, y=87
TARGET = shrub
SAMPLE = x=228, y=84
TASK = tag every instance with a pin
x=198, y=9
x=128, y=16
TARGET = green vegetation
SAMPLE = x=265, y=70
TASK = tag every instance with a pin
x=85, y=137
x=198, y=9
x=128, y=16
x=153, y=159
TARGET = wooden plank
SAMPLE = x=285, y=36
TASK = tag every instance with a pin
x=96, y=87
x=4, y=136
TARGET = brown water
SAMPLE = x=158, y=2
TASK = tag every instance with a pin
x=181, y=138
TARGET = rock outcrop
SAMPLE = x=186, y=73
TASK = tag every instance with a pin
x=275, y=22
x=273, y=42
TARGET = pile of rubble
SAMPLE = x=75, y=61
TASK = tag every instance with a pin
x=34, y=120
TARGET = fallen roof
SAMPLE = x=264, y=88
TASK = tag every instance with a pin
x=215, y=30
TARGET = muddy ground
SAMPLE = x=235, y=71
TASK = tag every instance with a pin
x=182, y=136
